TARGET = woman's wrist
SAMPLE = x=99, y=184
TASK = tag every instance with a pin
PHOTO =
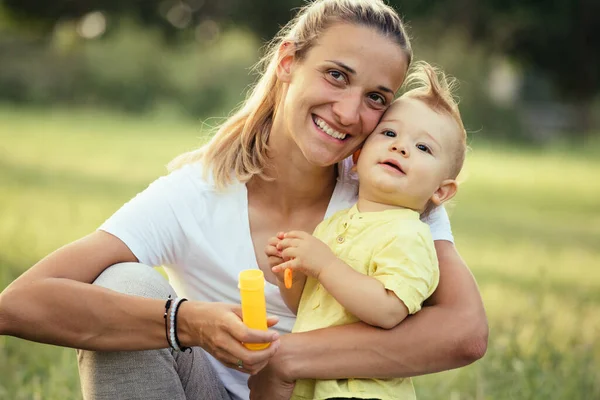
x=189, y=315
x=289, y=360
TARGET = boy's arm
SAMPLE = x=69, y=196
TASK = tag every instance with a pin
x=362, y=295
x=402, y=274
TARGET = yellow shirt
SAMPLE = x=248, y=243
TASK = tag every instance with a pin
x=392, y=246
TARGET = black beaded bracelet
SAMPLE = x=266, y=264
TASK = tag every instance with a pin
x=165, y=316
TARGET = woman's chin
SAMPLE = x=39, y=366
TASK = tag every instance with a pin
x=322, y=159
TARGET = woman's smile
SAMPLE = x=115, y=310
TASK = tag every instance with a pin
x=326, y=128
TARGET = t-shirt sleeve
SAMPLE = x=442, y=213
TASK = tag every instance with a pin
x=152, y=223
x=407, y=265
x=439, y=224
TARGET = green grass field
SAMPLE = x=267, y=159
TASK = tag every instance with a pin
x=526, y=221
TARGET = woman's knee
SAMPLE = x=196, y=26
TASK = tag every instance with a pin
x=135, y=279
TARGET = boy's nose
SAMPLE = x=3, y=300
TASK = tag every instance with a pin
x=399, y=148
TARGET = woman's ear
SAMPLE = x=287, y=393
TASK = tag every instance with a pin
x=286, y=60
x=445, y=192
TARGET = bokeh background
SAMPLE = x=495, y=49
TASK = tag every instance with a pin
x=97, y=96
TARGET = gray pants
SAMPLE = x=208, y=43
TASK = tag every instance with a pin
x=146, y=375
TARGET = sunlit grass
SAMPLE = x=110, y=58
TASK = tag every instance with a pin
x=526, y=220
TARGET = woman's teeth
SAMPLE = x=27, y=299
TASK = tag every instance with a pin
x=328, y=130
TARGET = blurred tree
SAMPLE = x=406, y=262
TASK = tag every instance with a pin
x=557, y=38
x=168, y=15
x=560, y=39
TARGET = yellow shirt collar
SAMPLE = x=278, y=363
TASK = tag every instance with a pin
x=403, y=213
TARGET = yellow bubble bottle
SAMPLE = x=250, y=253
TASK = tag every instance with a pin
x=254, y=308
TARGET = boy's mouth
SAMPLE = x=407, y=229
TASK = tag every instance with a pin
x=325, y=128
x=394, y=165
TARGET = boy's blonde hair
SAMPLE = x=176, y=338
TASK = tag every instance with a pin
x=239, y=146
x=434, y=88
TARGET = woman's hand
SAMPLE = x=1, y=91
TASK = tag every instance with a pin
x=271, y=383
x=218, y=329
x=304, y=253
x=267, y=385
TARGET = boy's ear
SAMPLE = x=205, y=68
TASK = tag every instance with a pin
x=286, y=61
x=445, y=192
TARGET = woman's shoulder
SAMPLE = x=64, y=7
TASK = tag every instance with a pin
x=194, y=173
x=196, y=176
x=190, y=185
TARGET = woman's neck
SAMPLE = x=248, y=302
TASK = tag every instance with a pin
x=297, y=184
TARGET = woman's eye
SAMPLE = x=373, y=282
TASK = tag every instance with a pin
x=424, y=148
x=377, y=98
x=337, y=75
x=389, y=133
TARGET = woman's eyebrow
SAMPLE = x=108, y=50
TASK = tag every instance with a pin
x=351, y=71
x=343, y=66
x=384, y=89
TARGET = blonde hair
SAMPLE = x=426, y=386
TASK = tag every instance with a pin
x=240, y=144
x=436, y=89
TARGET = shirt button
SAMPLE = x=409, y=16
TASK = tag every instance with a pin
x=340, y=239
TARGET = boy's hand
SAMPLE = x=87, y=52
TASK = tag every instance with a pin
x=274, y=255
x=304, y=253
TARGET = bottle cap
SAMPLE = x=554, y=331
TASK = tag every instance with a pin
x=251, y=279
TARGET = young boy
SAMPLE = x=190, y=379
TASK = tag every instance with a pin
x=376, y=262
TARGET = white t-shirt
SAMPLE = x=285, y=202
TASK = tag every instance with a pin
x=202, y=238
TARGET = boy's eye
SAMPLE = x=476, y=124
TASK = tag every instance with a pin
x=389, y=133
x=424, y=148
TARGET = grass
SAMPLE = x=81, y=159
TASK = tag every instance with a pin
x=526, y=221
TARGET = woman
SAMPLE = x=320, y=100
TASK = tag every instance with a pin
x=329, y=77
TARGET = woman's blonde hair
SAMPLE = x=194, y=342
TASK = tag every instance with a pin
x=239, y=146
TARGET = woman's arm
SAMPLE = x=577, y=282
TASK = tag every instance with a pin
x=54, y=302
x=450, y=332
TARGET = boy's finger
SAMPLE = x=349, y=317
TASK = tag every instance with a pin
x=287, y=243
x=271, y=251
x=291, y=264
x=295, y=234
x=274, y=261
x=289, y=254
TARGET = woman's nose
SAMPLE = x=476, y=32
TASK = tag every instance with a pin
x=347, y=109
